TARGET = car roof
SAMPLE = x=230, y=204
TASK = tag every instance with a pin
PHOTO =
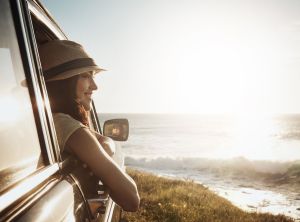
x=38, y=5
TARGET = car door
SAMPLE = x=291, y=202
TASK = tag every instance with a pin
x=32, y=185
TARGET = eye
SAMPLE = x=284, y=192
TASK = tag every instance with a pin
x=86, y=75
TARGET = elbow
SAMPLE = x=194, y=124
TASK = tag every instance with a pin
x=133, y=204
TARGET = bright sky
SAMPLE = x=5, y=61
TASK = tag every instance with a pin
x=189, y=56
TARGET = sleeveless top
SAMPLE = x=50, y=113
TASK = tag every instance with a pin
x=65, y=126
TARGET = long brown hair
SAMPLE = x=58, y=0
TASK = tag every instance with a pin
x=62, y=95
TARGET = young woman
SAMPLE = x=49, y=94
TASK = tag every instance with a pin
x=69, y=75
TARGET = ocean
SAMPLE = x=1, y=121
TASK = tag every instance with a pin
x=253, y=161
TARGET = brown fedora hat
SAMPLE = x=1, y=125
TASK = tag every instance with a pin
x=62, y=59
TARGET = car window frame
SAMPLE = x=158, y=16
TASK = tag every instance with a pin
x=21, y=19
x=32, y=8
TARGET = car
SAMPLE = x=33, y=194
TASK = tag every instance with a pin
x=37, y=183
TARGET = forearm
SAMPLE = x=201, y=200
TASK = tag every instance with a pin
x=125, y=193
x=121, y=186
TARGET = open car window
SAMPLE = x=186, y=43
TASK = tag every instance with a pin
x=42, y=35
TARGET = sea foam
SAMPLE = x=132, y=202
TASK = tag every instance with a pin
x=239, y=164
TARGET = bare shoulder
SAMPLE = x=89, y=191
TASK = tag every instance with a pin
x=82, y=140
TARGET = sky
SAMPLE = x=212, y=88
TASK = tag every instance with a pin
x=189, y=56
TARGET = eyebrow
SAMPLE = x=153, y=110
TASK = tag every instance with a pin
x=89, y=73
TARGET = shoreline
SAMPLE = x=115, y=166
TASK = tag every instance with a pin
x=254, y=200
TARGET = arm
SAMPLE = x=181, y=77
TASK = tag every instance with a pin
x=122, y=188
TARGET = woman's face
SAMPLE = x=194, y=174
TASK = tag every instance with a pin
x=84, y=89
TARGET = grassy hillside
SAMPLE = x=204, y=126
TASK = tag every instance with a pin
x=170, y=200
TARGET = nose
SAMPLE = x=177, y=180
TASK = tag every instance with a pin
x=93, y=85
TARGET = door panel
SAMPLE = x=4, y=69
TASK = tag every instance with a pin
x=62, y=203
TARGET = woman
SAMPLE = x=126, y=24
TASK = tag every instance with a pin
x=69, y=75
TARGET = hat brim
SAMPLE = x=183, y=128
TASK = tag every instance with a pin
x=74, y=72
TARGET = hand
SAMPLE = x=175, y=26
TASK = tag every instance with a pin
x=107, y=143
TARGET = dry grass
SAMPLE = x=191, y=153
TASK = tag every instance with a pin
x=170, y=200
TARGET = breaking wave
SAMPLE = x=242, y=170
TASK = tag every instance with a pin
x=235, y=166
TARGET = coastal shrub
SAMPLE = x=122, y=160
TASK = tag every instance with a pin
x=169, y=200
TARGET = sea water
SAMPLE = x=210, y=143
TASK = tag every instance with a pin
x=251, y=160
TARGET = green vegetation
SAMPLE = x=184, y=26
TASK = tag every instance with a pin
x=170, y=200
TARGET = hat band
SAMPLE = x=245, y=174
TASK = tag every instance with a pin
x=73, y=64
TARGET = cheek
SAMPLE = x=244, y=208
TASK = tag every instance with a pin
x=80, y=88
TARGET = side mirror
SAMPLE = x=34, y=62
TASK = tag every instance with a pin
x=117, y=129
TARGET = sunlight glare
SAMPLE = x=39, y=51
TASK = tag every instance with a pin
x=252, y=136
x=12, y=111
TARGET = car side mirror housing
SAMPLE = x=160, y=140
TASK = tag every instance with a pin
x=117, y=129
